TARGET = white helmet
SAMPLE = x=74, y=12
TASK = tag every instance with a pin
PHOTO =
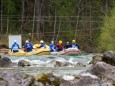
x=15, y=41
x=27, y=41
x=41, y=41
x=67, y=42
x=52, y=42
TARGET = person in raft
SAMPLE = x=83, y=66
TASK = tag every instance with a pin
x=52, y=46
x=28, y=46
x=67, y=45
x=15, y=47
x=59, y=46
x=74, y=44
x=42, y=44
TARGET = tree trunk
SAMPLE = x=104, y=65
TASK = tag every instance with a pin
x=38, y=17
x=7, y=23
x=54, y=27
x=78, y=15
x=1, y=17
x=33, y=20
x=58, y=30
x=23, y=4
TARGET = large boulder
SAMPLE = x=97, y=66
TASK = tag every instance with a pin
x=47, y=80
x=89, y=81
x=15, y=79
x=23, y=63
x=5, y=62
x=96, y=58
x=105, y=72
x=82, y=80
x=109, y=57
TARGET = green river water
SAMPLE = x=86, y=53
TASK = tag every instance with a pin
x=39, y=64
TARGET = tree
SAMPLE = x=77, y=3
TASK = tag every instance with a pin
x=107, y=36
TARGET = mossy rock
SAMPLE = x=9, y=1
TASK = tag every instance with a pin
x=109, y=57
x=41, y=78
x=96, y=58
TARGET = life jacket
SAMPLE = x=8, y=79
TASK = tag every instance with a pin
x=43, y=45
x=59, y=46
x=15, y=47
x=74, y=45
x=28, y=45
x=52, y=46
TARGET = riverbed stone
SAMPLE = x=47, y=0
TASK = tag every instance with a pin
x=96, y=58
x=5, y=62
x=109, y=57
x=105, y=72
x=16, y=79
x=23, y=63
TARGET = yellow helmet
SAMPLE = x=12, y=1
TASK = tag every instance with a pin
x=73, y=41
x=60, y=42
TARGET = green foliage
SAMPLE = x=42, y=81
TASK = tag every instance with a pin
x=9, y=7
x=107, y=36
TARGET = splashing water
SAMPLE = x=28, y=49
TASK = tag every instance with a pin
x=45, y=64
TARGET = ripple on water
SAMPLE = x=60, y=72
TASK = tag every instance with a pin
x=44, y=59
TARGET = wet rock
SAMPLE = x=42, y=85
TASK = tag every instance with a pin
x=3, y=82
x=96, y=58
x=109, y=57
x=79, y=64
x=105, y=72
x=89, y=81
x=41, y=78
x=47, y=80
x=23, y=63
x=80, y=80
x=16, y=79
x=56, y=63
x=5, y=62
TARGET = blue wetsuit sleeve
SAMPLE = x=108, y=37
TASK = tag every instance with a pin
x=12, y=47
x=31, y=46
x=18, y=46
x=77, y=46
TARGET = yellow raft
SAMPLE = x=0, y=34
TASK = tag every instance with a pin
x=36, y=51
x=41, y=51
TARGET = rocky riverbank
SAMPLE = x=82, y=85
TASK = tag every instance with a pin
x=101, y=73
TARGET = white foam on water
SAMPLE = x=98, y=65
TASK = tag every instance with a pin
x=37, y=62
x=68, y=77
x=61, y=60
x=71, y=60
x=17, y=60
x=89, y=74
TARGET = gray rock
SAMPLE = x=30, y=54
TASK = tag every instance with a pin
x=109, y=57
x=16, y=79
x=96, y=58
x=88, y=81
x=5, y=62
x=105, y=72
x=3, y=82
x=23, y=63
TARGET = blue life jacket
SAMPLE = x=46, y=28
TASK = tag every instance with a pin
x=52, y=47
x=15, y=47
x=43, y=45
x=28, y=45
x=74, y=45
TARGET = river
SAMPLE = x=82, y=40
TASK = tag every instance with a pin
x=45, y=64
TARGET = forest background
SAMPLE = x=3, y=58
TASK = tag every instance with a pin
x=89, y=22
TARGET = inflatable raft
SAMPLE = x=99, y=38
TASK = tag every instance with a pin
x=41, y=51
x=69, y=51
x=36, y=51
x=21, y=53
